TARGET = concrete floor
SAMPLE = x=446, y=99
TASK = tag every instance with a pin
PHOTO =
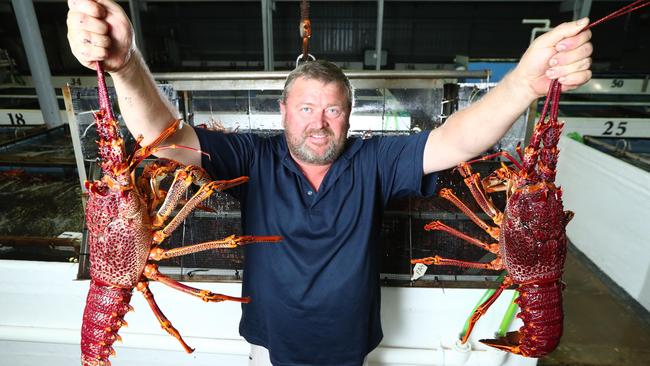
x=602, y=325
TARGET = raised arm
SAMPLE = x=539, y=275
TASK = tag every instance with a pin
x=99, y=30
x=562, y=53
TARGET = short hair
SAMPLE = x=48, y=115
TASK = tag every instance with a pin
x=323, y=71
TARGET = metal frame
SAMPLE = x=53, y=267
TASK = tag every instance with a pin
x=37, y=60
x=267, y=34
x=184, y=84
x=274, y=80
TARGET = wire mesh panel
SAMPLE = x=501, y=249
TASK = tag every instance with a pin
x=378, y=111
x=384, y=111
x=404, y=237
x=218, y=218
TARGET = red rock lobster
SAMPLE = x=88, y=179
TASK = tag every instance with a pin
x=532, y=243
x=126, y=221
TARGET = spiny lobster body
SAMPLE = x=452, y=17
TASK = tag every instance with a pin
x=127, y=222
x=532, y=235
x=118, y=226
x=533, y=246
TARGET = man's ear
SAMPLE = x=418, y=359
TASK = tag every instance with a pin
x=283, y=107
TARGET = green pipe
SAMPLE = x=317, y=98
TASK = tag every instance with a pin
x=508, y=316
x=486, y=295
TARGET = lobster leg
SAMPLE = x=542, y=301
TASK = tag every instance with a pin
x=483, y=308
x=151, y=174
x=473, y=182
x=149, y=183
x=449, y=195
x=143, y=287
x=146, y=151
x=203, y=193
x=182, y=180
x=496, y=264
x=230, y=242
x=499, y=179
x=151, y=272
x=437, y=225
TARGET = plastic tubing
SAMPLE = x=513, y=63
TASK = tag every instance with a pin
x=508, y=316
x=486, y=295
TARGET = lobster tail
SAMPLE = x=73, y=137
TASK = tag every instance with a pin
x=541, y=312
x=103, y=316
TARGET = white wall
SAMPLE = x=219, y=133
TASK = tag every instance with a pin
x=611, y=201
x=41, y=306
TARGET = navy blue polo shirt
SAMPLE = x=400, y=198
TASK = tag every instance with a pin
x=315, y=296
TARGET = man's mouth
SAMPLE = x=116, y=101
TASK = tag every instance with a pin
x=319, y=137
x=319, y=140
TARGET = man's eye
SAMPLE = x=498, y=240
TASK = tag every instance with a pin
x=334, y=112
x=305, y=109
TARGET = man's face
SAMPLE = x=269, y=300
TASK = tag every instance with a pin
x=315, y=116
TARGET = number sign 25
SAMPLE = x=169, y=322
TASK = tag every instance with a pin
x=616, y=129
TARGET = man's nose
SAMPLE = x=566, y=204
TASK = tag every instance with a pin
x=318, y=120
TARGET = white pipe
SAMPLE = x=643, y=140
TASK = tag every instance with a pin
x=380, y=28
x=546, y=27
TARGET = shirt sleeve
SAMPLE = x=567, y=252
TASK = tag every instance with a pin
x=400, y=160
x=226, y=155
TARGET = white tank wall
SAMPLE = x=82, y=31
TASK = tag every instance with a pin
x=42, y=305
x=611, y=201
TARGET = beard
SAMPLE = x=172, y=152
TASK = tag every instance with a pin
x=299, y=149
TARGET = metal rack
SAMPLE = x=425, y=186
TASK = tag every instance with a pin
x=386, y=103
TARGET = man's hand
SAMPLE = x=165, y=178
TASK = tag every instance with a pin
x=564, y=53
x=99, y=30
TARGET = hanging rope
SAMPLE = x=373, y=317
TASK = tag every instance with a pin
x=305, y=32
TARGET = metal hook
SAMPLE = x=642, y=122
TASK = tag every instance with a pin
x=309, y=55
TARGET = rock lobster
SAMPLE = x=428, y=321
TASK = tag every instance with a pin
x=126, y=220
x=532, y=243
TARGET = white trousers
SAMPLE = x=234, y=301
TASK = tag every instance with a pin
x=259, y=356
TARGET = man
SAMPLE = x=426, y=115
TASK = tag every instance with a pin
x=316, y=295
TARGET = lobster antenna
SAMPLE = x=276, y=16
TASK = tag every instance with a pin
x=104, y=100
x=622, y=11
x=555, y=90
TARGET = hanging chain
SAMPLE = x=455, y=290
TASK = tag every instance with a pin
x=305, y=31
